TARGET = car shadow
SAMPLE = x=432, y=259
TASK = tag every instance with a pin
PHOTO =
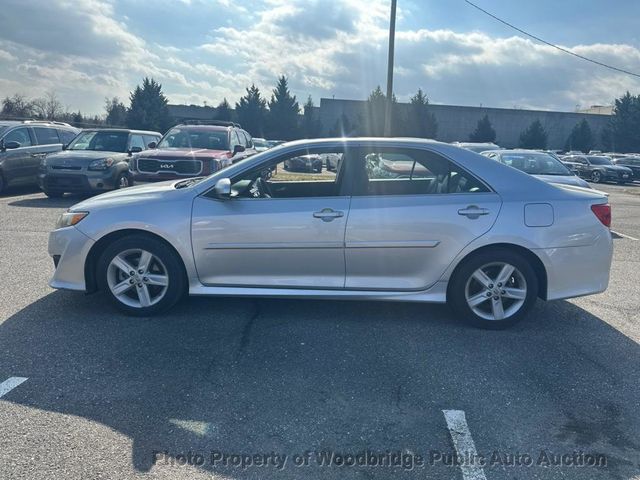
x=266, y=375
x=46, y=202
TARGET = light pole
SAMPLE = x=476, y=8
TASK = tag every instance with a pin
x=392, y=41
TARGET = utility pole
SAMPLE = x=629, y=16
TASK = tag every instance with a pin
x=392, y=41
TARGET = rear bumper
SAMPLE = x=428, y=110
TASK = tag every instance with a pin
x=69, y=248
x=578, y=271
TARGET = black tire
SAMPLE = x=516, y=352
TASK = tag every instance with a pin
x=2, y=184
x=51, y=194
x=456, y=297
x=596, y=177
x=119, y=180
x=177, y=285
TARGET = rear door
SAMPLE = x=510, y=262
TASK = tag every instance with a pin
x=16, y=161
x=48, y=142
x=412, y=212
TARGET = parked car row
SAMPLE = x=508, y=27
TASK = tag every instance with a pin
x=572, y=168
x=63, y=159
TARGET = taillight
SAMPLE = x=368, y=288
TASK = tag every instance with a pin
x=603, y=212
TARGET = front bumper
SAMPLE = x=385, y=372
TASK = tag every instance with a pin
x=82, y=181
x=69, y=248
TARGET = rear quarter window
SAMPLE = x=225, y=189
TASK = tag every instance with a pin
x=46, y=136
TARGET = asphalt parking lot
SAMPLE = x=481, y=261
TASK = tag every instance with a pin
x=239, y=388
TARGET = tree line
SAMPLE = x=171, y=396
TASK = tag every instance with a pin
x=281, y=117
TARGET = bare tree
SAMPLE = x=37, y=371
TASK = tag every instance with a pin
x=17, y=106
x=48, y=107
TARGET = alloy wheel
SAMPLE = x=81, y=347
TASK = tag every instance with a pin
x=137, y=278
x=595, y=176
x=496, y=291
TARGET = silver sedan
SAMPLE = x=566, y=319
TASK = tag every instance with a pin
x=399, y=220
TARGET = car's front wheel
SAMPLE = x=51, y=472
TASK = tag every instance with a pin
x=141, y=275
x=123, y=180
x=596, y=177
x=493, y=289
x=51, y=194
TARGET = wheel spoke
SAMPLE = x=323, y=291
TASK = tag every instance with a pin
x=122, y=287
x=122, y=264
x=477, y=299
x=145, y=261
x=143, y=296
x=498, y=309
x=482, y=277
x=505, y=274
x=515, y=293
x=155, y=279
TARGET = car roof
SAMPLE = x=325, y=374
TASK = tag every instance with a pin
x=125, y=130
x=221, y=128
x=14, y=123
x=519, y=151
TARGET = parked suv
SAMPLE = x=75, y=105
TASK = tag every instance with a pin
x=631, y=162
x=192, y=150
x=97, y=160
x=598, y=168
x=23, y=144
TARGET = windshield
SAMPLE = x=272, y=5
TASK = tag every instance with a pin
x=535, y=163
x=101, y=141
x=195, y=138
x=599, y=161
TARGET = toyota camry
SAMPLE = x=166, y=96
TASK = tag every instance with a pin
x=398, y=220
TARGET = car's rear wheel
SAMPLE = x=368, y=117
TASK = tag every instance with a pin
x=493, y=289
x=1, y=183
x=596, y=177
x=141, y=275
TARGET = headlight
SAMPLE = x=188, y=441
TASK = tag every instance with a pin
x=101, y=164
x=67, y=219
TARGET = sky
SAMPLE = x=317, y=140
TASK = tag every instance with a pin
x=206, y=50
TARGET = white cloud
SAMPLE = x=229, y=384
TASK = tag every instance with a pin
x=86, y=51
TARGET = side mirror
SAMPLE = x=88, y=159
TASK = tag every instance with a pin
x=65, y=146
x=133, y=150
x=222, y=188
x=238, y=149
x=12, y=145
x=152, y=145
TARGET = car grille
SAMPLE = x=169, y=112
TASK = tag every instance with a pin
x=65, y=167
x=177, y=167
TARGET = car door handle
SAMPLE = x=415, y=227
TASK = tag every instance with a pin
x=36, y=155
x=473, y=212
x=328, y=214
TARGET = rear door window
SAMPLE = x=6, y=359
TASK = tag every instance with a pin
x=46, y=136
x=137, y=141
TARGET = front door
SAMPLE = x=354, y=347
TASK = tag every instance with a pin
x=411, y=213
x=281, y=228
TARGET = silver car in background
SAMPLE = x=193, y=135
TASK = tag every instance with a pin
x=400, y=220
x=545, y=166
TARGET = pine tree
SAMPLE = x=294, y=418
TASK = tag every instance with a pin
x=148, y=110
x=223, y=111
x=625, y=124
x=484, y=131
x=421, y=122
x=251, y=111
x=375, y=113
x=116, y=112
x=534, y=137
x=581, y=138
x=282, y=120
x=311, y=126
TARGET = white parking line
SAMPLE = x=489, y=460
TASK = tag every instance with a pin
x=10, y=384
x=465, y=448
x=624, y=235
